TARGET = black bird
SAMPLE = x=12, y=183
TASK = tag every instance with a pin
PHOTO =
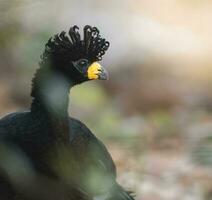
x=48, y=142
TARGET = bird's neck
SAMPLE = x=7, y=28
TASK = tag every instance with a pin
x=50, y=93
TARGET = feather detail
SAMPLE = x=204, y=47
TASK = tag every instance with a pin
x=71, y=46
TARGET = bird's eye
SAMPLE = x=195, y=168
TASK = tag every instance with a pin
x=81, y=65
x=82, y=62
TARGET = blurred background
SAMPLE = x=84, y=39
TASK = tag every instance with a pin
x=155, y=112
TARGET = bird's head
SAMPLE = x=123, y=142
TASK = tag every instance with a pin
x=76, y=57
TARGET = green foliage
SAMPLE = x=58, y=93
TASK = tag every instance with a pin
x=202, y=154
x=90, y=96
x=164, y=124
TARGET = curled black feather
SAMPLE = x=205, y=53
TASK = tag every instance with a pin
x=71, y=46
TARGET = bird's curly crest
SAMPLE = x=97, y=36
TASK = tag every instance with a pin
x=72, y=46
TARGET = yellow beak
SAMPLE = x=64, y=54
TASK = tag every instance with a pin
x=96, y=71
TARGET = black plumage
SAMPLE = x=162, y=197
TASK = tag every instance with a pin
x=57, y=151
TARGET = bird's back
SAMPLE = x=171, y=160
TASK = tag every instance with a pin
x=95, y=169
